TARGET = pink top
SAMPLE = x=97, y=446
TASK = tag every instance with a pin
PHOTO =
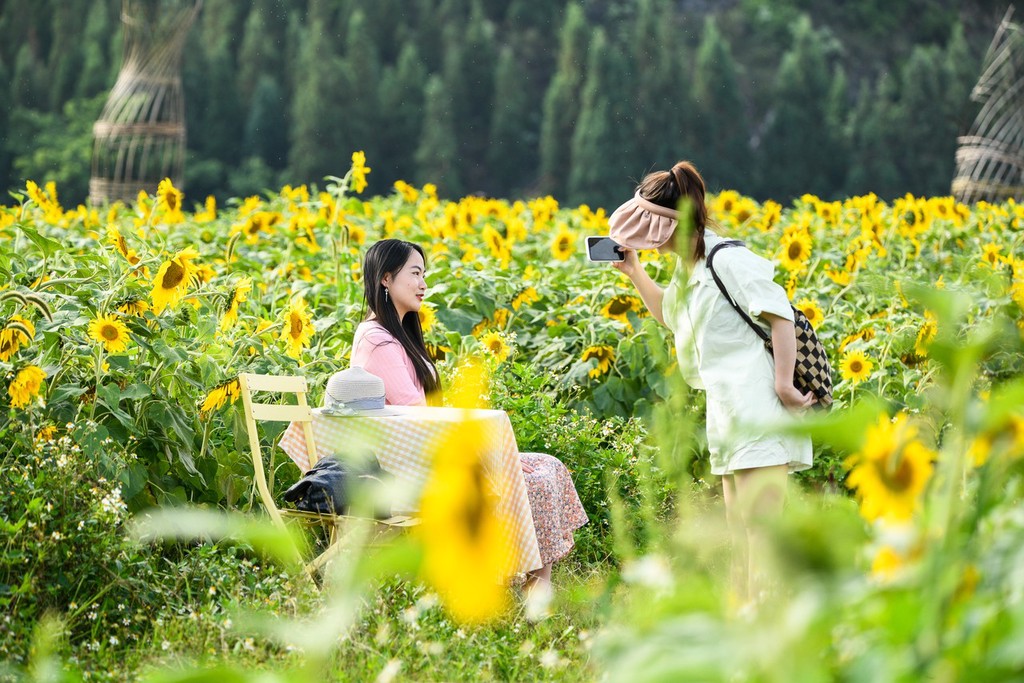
x=375, y=350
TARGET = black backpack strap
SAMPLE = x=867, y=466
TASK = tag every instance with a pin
x=721, y=286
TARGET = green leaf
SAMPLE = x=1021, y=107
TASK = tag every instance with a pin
x=46, y=245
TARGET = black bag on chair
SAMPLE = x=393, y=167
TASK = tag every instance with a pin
x=326, y=487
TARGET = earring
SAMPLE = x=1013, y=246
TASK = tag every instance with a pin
x=385, y=294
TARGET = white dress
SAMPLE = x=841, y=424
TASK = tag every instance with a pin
x=719, y=353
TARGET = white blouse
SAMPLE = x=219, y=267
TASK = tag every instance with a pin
x=719, y=353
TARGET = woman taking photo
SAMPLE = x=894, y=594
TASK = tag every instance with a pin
x=389, y=344
x=747, y=389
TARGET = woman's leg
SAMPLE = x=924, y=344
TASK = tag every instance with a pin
x=759, y=496
x=738, y=540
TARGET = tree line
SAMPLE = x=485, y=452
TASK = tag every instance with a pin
x=576, y=99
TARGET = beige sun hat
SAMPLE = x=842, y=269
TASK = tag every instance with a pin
x=355, y=392
x=642, y=224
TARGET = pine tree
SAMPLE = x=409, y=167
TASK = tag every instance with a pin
x=720, y=135
x=659, y=88
x=469, y=68
x=797, y=144
x=511, y=152
x=256, y=55
x=562, y=104
x=222, y=120
x=361, y=108
x=401, y=115
x=95, y=76
x=266, y=129
x=599, y=175
x=28, y=81
x=436, y=155
x=319, y=142
x=65, y=60
x=871, y=142
x=925, y=156
x=960, y=73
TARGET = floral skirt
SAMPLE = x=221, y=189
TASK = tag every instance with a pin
x=556, y=507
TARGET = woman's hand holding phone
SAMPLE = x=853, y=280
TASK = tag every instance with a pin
x=628, y=265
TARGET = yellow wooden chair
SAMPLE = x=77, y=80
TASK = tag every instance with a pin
x=300, y=412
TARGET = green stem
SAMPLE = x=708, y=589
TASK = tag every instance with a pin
x=96, y=390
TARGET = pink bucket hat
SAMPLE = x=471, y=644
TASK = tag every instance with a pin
x=642, y=224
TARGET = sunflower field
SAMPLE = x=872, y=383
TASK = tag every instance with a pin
x=123, y=329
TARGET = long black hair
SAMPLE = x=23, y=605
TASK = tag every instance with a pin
x=388, y=257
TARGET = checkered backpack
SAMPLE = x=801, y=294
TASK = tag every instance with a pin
x=812, y=372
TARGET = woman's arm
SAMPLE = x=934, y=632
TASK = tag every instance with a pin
x=388, y=361
x=784, y=350
x=651, y=293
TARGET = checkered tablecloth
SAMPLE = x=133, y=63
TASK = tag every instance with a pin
x=402, y=442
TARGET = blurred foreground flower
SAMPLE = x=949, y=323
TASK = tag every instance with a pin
x=17, y=332
x=891, y=470
x=467, y=554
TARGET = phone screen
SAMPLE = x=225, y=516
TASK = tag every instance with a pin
x=603, y=249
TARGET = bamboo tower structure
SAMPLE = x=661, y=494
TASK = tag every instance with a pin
x=990, y=159
x=139, y=138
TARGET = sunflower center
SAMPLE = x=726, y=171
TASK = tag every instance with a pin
x=856, y=366
x=296, y=326
x=173, y=276
x=172, y=201
x=796, y=250
x=110, y=333
x=619, y=306
x=563, y=243
x=473, y=510
x=898, y=478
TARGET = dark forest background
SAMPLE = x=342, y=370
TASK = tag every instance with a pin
x=576, y=99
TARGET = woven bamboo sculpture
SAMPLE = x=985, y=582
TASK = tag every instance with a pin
x=990, y=160
x=140, y=136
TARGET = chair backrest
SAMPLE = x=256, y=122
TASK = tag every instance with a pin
x=274, y=412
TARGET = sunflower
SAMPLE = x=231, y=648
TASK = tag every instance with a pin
x=298, y=327
x=496, y=345
x=427, y=317
x=359, y=171
x=604, y=355
x=26, y=385
x=224, y=393
x=891, y=470
x=465, y=538
x=172, y=280
x=619, y=307
x=169, y=200
x=795, y=250
x=16, y=333
x=525, y=297
x=855, y=367
x=238, y=296
x=926, y=334
x=771, y=212
x=562, y=246
x=990, y=255
x=117, y=239
x=132, y=306
x=812, y=311
x=109, y=331
x=406, y=191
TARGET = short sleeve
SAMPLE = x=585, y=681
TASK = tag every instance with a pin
x=750, y=281
x=381, y=355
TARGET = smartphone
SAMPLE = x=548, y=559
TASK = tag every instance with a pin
x=604, y=249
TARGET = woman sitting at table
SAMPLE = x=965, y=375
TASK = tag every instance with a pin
x=389, y=344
